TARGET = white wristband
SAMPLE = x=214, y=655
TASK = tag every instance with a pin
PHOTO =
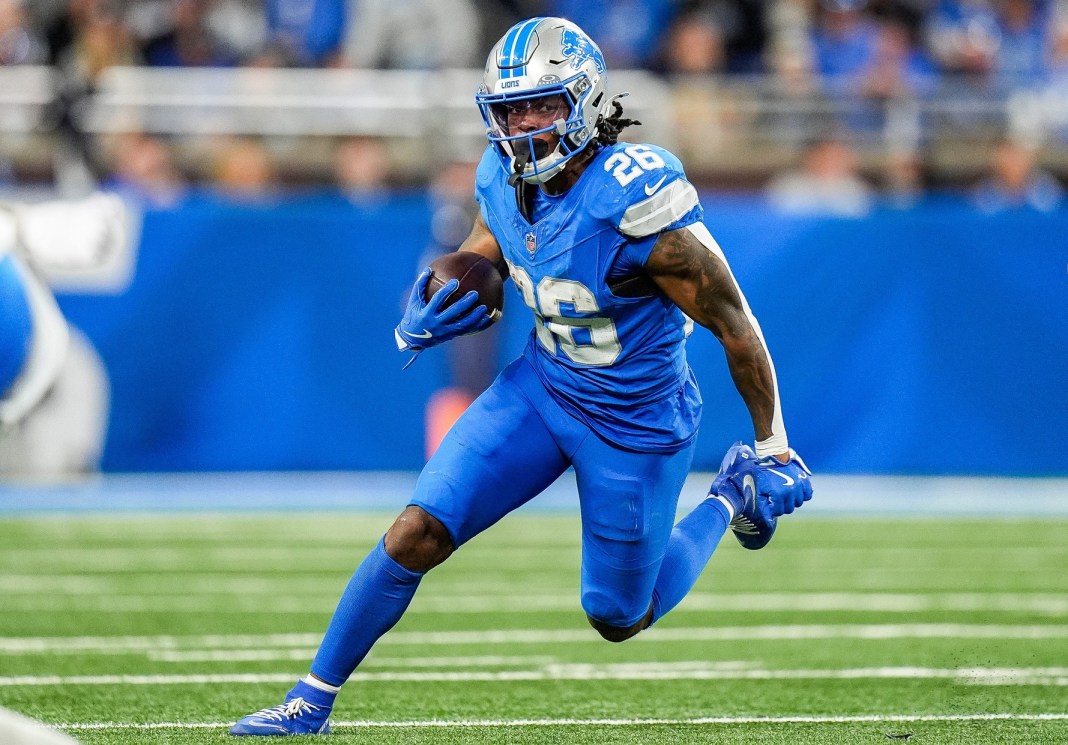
x=772, y=446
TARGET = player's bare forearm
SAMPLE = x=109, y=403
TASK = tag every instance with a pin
x=481, y=241
x=702, y=286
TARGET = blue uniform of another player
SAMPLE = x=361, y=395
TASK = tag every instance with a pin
x=16, y=327
x=33, y=336
x=604, y=241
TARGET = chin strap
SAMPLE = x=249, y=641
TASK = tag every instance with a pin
x=521, y=162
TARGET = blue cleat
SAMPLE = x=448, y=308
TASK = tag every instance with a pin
x=753, y=523
x=296, y=716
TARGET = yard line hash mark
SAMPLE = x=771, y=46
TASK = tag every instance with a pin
x=691, y=670
x=430, y=723
x=144, y=644
x=38, y=594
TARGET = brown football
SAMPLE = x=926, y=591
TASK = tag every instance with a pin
x=474, y=272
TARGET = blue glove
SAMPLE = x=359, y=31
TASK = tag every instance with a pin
x=786, y=485
x=425, y=324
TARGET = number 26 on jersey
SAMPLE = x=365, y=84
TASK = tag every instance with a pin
x=590, y=340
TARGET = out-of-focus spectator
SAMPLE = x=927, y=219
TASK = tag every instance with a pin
x=1016, y=181
x=904, y=178
x=144, y=171
x=497, y=16
x=243, y=171
x=197, y=33
x=844, y=40
x=745, y=30
x=828, y=182
x=627, y=31
x=302, y=33
x=187, y=39
x=898, y=68
x=907, y=12
x=740, y=28
x=964, y=37
x=694, y=45
x=1058, y=72
x=789, y=24
x=1058, y=47
x=453, y=206
x=20, y=43
x=239, y=25
x=790, y=54
x=7, y=172
x=412, y=35
x=704, y=110
x=362, y=170
x=896, y=72
x=91, y=37
x=1023, y=28
x=795, y=86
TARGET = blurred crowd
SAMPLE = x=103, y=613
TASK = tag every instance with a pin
x=856, y=55
x=871, y=47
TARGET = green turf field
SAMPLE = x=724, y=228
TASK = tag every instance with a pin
x=166, y=628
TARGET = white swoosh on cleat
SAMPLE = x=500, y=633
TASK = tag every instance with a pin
x=749, y=486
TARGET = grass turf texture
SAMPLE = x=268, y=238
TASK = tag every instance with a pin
x=839, y=625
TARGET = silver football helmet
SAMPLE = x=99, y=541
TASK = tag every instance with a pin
x=549, y=66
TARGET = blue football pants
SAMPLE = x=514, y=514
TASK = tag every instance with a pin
x=513, y=442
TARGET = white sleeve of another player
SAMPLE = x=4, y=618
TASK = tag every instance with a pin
x=777, y=443
x=48, y=351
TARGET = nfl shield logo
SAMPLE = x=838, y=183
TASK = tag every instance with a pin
x=532, y=243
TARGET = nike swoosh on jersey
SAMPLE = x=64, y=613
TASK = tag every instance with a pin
x=650, y=189
x=789, y=481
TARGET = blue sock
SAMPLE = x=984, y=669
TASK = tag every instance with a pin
x=693, y=540
x=374, y=600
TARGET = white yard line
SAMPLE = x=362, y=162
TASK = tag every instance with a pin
x=506, y=723
x=144, y=644
x=686, y=670
x=307, y=653
x=736, y=633
x=198, y=599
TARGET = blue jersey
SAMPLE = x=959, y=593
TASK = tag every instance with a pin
x=606, y=343
x=16, y=324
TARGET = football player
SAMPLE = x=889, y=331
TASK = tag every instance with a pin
x=53, y=388
x=53, y=385
x=605, y=242
x=25, y=304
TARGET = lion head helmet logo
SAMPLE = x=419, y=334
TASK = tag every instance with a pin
x=578, y=48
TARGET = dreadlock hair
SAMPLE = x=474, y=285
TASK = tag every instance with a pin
x=609, y=127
